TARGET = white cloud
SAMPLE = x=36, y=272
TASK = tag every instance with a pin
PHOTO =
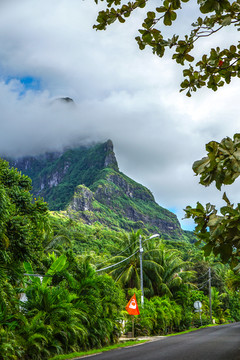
x=121, y=93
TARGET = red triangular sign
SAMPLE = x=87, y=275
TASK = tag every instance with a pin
x=132, y=306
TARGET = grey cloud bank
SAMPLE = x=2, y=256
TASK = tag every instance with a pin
x=121, y=93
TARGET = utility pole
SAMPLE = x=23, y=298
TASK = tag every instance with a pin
x=210, y=294
x=141, y=264
x=141, y=269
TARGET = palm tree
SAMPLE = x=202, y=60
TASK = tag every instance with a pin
x=51, y=322
x=98, y=298
x=56, y=241
x=174, y=271
x=164, y=271
x=127, y=272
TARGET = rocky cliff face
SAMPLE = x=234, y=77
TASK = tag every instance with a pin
x=110, y=159
x=119, y=202
x=87, y=184
x=56, y=175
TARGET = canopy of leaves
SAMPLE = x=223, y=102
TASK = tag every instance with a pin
x=23, y=222
x=222, y=163
x=213, y=69
x=220, y=232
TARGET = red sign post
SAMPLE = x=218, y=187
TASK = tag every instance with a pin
x=132, y=306
x=132, y=309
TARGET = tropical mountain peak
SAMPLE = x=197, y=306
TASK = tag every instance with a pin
x=85, y=183
x=110, y=159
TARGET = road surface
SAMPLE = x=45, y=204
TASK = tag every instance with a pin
x=215, y=343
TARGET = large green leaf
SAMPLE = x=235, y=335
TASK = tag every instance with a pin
x=57, y=266
x=29, y=270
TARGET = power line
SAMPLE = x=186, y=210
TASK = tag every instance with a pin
x=108, y=267
x=201, y=276
x=203, y=285
x=139, y=250
x=204, y=282
x=38, y=275
x=103, y=262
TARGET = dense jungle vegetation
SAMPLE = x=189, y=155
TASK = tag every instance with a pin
x=76, y=305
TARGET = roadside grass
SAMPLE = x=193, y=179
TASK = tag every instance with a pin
x=192, y=329
x=97, y=351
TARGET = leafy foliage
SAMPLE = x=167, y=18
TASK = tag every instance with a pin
x=213, y=69
x=220, y=232
x=222, y=163
x=23, y=222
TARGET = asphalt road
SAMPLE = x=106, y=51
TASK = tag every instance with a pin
x=215, y=343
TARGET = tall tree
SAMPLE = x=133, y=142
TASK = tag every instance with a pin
x=173, y=271
x=23, y=224
x=23, y=221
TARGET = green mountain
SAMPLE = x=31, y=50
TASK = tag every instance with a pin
x=85, y=183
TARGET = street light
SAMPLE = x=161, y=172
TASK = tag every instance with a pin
x=141, y=267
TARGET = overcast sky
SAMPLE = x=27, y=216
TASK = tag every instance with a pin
x=48, y=49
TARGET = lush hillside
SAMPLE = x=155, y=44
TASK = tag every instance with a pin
x=56, y=175
x=85, y=183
